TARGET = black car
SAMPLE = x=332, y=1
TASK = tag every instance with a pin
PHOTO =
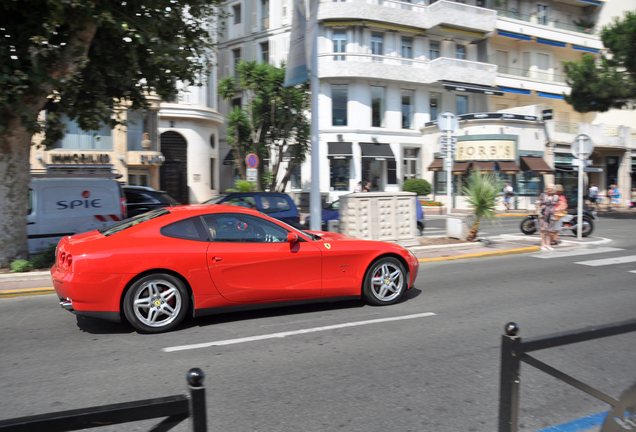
x=140, y=199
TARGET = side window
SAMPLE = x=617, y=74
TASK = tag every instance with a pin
x=189, y=229
x=140, y=198
x=239, y=228
x=274, y=204
x=242, y=201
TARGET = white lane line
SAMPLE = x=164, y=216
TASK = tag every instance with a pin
x=609, y=261
x=632, y=271
x=547, y=255
x=292, y=333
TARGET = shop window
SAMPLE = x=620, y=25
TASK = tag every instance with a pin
x=440, y=182
x=391, y=171
x=340, y=174
x=462, y=105
x=339, y=96
x=78, y=139
x=529, y=184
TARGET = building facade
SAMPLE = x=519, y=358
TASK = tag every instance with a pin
x=388, y=68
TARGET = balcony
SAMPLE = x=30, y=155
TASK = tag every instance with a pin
x=534, y=74
x=502, y=13
x=362, y=65
x=439, y=14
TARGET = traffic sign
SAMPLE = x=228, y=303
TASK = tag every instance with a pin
x=251, y=160
x=582, y=146
x=251, y=174
x=447, y=122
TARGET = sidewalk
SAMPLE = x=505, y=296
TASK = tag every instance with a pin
x=34, y=283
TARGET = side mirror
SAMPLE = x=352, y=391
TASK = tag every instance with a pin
x=292, y=237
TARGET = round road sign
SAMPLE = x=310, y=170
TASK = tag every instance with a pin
x=582, y=146
x=251, y=160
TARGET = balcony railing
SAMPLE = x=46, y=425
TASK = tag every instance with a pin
x=424, y=8
x=532, y=73
x=402, y=61
x=565, y=127
x=544, y=21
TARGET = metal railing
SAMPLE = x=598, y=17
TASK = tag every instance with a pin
x=545, y=21
x=514, y=351
x=175, y=408
x=422, y=7
x=403, y=61
x=538, y=74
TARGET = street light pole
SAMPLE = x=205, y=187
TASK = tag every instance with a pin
x=449, y=173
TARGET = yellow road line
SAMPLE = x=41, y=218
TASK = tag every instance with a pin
x=482, y=254
x=26, y=291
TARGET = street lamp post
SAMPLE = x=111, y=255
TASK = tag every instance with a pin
x=447, y=123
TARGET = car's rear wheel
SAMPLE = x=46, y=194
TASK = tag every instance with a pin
x=156, y=303
x=385, y=282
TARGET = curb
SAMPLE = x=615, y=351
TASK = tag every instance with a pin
x=28, y=276
x=483, y=254
x=435, y=248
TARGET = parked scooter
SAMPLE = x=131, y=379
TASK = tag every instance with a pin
x=530, y=224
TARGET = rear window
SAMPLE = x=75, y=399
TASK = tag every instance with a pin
x=136, y=220
x=275, y=204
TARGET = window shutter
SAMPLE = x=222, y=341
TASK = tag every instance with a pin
x=226, y=63
x=254, y=15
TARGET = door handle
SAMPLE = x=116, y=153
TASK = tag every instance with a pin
x=217, y=259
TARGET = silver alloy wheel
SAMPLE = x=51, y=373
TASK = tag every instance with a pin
x=387, y=281
x=157, y=303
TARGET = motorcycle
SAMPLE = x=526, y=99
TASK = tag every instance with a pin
x=530, y=224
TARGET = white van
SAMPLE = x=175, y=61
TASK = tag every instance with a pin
x=60, y=206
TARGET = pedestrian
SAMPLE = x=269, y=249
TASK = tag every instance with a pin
x=616, y=196
x=508, y=193
x=593, y=195
x=559, y=212
x=547, y=204
x=632, y=203
x=367, y=187
x=358, y=187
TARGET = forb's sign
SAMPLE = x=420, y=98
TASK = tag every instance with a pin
x=486, y=150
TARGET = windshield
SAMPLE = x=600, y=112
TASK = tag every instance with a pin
x=135, y=220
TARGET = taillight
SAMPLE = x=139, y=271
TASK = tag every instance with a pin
x=62, y=258
x=69, y=260
x=124, y=213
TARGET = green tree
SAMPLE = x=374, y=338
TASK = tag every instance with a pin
x=481, y=191
x=278, y=125
x=86, y=59
x=610, y=81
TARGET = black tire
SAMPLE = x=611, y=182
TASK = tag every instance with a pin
x=528, y=225
x=385, y=282
x=156, y=303
x=588, y=227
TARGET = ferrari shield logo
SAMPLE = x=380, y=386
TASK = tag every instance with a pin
x=328, y=246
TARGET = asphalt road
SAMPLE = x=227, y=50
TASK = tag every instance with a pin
x=418, y=373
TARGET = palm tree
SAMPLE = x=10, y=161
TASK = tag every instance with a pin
x=481, y=191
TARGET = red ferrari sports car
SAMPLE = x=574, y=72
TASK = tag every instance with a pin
x=155, y=268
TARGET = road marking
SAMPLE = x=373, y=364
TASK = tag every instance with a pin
x=565, y=254
x=292, y=333
x=609, y=261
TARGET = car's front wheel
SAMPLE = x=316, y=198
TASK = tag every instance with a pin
x=156, y=303
x=385, y=282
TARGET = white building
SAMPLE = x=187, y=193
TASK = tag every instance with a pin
x=387, y=68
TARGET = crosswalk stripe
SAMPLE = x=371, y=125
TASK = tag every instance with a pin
x=549, y=255
x=609, y=261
